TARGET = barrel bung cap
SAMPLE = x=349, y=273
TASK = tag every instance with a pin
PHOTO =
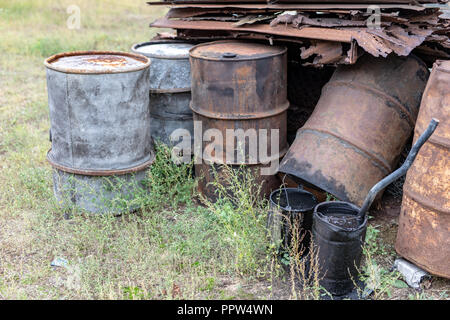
x=233, y=50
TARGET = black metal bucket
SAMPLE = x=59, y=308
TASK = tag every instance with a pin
x=288, y=207
x=339, y=239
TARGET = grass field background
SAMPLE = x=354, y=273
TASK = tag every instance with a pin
x=172, y=249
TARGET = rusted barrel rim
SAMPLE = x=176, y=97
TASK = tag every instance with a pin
x=168, y=57
x=438, y=66
x=424, y=202
x=92, y=172
x=173, y=90
x=257, y=115
x=378, y=161
x=436, y=140
x=319, y=215
x=192, y=55
x=377, y=92
x=48, y=62
x=321, y=184
x=292, y=210
x=219, y=161
x=406, y=254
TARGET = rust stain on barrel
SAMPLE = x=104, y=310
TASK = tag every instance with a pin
x=110, y=62
x=424, y=223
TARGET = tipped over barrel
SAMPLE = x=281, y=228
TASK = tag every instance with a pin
x=356, y=133
x=424, y=223
x=100, y=124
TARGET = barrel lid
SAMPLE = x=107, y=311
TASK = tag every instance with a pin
x=164, y=49
x=235, y=51
x=97, y=62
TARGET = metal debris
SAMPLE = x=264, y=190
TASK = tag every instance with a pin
x=412, y=274
x=325, y=52
x=59, y=262
x=403, y=27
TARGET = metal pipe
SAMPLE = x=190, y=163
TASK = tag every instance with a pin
x=400, y=171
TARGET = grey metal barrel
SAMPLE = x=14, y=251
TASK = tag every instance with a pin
x=100, y=122
x=170, y=87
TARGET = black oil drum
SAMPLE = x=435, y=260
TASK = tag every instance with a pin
x=338, y=235
x=289, y=207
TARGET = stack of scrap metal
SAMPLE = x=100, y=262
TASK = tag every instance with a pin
x=328, y=32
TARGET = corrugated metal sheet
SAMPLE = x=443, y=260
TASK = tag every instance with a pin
x=402, y=27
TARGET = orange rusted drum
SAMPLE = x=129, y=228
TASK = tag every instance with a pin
x=357, y=131
x=239, y=92
x=424, y=224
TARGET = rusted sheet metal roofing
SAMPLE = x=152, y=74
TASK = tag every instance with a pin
x=285, y=6
x=402, y=28
x=309, y=32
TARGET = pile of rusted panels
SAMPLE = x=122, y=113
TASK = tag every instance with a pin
x=327, y=33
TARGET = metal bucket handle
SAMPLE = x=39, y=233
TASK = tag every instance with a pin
x=288, y=207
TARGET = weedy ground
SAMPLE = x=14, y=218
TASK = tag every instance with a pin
x=178, y=245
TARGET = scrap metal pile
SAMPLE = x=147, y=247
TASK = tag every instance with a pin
x=327, y=32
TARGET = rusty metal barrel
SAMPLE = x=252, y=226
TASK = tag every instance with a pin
x=424, y=224
x=239, y=101
x=100, y=123
x=356, y=133
x=170, y=87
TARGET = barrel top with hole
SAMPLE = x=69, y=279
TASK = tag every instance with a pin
x=234, y=50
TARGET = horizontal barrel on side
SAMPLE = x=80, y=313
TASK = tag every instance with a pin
x=356, y=133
